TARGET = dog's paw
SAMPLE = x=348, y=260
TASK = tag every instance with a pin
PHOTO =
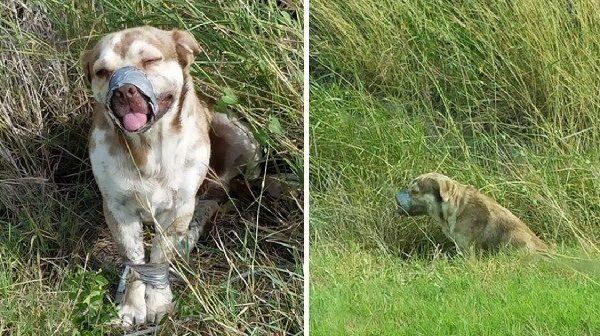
x=159, y=301
x=133, y=308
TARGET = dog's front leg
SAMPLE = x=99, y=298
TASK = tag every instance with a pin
x=127, y=233
x=177, y=238
x=171, y=232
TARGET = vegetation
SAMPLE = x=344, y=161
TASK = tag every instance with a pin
x=501, y=95
x=246, y=276
x=360, y=293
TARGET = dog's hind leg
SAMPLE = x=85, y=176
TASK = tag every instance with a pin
x=234, y=151
x=204, y=211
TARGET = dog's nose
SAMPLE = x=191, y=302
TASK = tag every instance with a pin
x=129, y=91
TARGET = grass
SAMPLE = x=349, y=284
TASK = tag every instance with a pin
x=246, y=276
x=364, y=150
x=356, y=292
x=498, y=95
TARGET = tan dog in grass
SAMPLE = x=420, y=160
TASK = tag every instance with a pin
x=150, y=148
x=469, y=218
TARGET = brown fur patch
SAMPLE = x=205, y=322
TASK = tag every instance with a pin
x=118, y=145
x=176, y=122
x=100, y=120
x=122, y=47
x=165, y=44
x=219, y=148
x=186, y=46
x=86, y=60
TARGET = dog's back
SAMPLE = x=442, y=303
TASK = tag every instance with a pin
x=503, y=228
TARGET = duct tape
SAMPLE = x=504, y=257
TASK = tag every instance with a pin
x=122, y=285
x=133, y=76
x=403, y=199
x=155, y=275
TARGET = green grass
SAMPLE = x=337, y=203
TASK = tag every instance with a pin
x=54, y=274
x=365, y=149
x=499, y=95
x=355, y=292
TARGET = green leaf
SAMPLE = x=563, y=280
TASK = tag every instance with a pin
x=261, y=137
x=286, y=18
x=275, y=126
x=227, y=99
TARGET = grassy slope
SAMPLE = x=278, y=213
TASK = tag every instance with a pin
x=497, y=95
x=364, y=149
x=50, y=217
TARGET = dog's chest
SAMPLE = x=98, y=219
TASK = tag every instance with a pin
x=152, y=196
x=169, y=174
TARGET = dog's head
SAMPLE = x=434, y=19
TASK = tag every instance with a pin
x=139, y=74
x=425, y=195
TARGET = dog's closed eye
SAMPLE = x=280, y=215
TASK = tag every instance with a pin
x=151, y=61
x=103, y=72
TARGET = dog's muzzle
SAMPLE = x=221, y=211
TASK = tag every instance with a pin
x=137, y=78
x=403, y=200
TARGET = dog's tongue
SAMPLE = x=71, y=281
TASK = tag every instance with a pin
x=132, y=121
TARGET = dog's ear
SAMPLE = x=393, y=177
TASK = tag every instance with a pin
x=186, y=46
x=446, y=189
x=84, y=61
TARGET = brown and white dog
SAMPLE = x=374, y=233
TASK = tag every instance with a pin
x=149, y=164
x=467, y=217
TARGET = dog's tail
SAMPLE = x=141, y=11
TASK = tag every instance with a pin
x=585, y=265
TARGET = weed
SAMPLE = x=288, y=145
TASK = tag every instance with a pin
x=91, y=309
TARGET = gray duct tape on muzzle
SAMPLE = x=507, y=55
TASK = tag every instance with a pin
x=137, y=78
x=403, y=199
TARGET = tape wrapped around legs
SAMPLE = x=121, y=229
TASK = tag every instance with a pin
x=156, y=275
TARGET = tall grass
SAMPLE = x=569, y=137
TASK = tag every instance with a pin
x=526, y=63
x=246, y=276
x=501, y=95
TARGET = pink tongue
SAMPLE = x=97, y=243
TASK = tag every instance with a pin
x=133, y=121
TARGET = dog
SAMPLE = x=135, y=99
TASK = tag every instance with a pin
x=467, y=217
x=151, y=143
